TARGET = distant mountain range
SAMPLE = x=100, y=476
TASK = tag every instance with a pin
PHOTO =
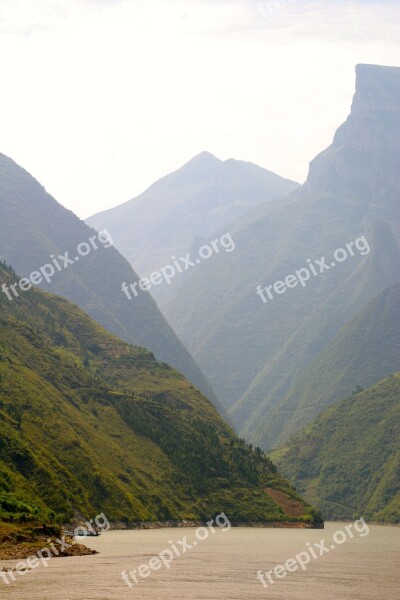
x=185, y=208
x=347, y=461
x=301, y=313
x=34, y=227
x=257, y=350
x=89, y=424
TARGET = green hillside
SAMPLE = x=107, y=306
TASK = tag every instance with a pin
x=34, y=227
x=365, y=350
x=89, y=424
x=347, y=461
x=253, y=352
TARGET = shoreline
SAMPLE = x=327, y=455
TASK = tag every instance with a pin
x=27, y=546
x=180, y=524
x=19, y=544
x=24, y=542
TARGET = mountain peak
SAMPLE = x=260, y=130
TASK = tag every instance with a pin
x=377, y=88
x=368, y=140
x=205, y=155
x=203, y=160
x=197, y=168
x=374, y=121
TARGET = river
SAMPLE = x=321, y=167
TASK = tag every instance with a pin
x=223, y=566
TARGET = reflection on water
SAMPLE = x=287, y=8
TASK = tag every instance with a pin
x=222, y=566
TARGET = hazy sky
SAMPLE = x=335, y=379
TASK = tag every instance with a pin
x=99, y=98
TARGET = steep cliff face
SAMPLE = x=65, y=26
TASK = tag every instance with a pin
x=364, y=158
x=375, y=113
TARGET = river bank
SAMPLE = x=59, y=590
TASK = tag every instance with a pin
x=177, y=524
x=23, y=541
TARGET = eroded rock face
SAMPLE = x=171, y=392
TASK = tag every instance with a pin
x=369, y=140
x=377, y=89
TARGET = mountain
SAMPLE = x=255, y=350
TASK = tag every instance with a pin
x=89, y=424
x=347, y=461
x=185, y=207
x=339, y=232
x=34, y=228
x=365, y=350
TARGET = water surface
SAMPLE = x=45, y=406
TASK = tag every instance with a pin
x=224, y=566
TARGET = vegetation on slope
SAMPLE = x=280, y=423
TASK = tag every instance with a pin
x=347, y=461
x=365, y=350
x=90, y=424
x=33, y=226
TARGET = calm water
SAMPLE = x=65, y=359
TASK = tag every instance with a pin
x=222, y=566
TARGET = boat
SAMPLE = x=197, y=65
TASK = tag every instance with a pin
x=79, y=531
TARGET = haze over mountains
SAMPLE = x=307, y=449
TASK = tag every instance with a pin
x=253, y=352
x=34, y=227
x=302, y=314
x=203, y=196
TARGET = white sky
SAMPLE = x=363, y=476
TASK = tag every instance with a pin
x=99, y=98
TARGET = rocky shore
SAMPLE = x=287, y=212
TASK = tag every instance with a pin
x=22, y=542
